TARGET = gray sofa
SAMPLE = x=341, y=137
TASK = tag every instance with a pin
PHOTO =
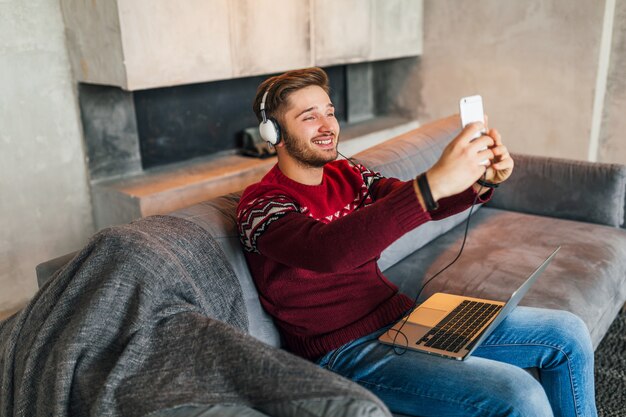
x=546, y=203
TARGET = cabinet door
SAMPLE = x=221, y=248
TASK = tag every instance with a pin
x=341, y=31
x=396, y=28
x=160, y=43
x=169, y=43
x=270, y=36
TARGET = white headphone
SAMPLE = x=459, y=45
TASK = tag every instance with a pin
x=269, y=129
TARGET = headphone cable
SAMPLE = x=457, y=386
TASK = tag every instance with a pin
x=406, y=318
x=456, y=258
x=467, y=223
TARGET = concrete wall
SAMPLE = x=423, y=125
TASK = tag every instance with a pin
x=44, y=200
x=534, y=62
x=612, y=141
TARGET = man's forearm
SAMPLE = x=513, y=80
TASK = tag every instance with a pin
x=300, y=241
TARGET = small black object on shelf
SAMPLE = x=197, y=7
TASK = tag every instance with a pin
x=253, y=145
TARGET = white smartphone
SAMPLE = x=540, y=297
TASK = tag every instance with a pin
x=471, y=109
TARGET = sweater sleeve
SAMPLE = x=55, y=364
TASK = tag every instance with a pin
x=447, y=206
x=294, y=239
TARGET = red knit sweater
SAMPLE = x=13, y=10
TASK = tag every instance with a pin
x=312, y=251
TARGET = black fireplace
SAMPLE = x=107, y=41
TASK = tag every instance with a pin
x=127, y=133
x=180, y=123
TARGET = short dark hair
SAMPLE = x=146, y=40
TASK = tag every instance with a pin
x=282, y=86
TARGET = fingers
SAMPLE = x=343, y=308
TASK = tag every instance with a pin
x=504, y=163
x=482, y=142
x=485, y=157
x=495, y=135
x=471, y=131
x=502, y=160
x=487, y=151
x=500, y=152
x=478, y=148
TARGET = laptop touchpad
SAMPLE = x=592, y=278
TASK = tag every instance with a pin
x=427, y=316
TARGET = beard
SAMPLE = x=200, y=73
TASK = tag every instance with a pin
x=306, y=156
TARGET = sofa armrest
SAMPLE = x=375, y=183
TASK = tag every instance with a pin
x=577, y=190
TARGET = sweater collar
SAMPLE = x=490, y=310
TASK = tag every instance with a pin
x=285, y=180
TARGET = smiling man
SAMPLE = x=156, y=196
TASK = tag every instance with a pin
x=313, y=229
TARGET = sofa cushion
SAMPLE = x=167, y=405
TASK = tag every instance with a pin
x=578, y=190
x=218, y=217
x=404, y=157
x=587, y=277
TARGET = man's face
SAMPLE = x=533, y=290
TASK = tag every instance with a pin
x=310, y=129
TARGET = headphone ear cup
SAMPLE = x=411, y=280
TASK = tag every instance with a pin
x=279, y=131
x=270, y=131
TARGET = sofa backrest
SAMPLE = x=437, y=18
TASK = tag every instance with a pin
x=402, y=157
x=218, y=217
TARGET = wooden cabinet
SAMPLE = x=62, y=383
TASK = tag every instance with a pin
x=350, y=31
x=174, y=42
x=140, y=44
x=341, y=31
x=269, y=36
x=396, y=29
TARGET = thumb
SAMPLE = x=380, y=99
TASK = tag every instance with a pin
x=470, y=131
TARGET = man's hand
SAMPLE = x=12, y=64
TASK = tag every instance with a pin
x=502, y=164
x=460, y=164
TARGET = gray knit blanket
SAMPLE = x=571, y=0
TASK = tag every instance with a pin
x=149, y=319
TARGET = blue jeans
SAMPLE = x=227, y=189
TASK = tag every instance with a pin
x=489, y=383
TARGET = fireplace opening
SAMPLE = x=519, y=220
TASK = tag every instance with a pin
x=179, y=123
x=130, y=132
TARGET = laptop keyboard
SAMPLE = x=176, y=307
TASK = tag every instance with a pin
x=459, y=326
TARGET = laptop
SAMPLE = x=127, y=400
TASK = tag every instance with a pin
x=452, y=326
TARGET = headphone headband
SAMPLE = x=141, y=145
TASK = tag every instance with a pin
x=262, y=108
